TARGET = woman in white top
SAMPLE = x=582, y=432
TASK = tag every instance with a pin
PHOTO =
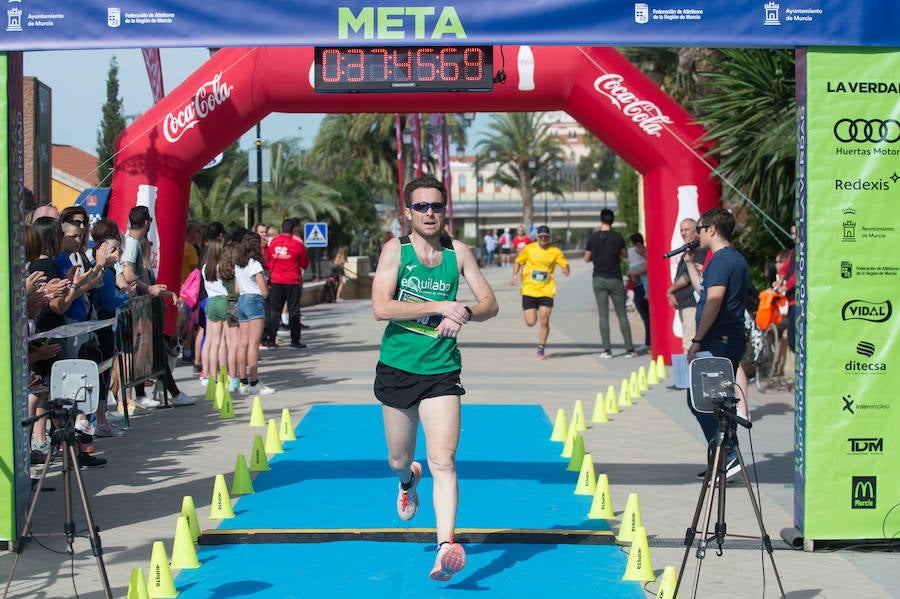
x=250, y=281
x=215, y=351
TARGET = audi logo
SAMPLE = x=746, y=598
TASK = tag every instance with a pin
x=867, y=130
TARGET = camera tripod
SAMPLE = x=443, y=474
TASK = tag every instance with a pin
x=725, y=411
x=63, y=437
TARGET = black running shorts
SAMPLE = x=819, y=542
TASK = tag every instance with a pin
x=400, y=389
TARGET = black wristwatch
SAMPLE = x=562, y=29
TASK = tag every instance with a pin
x=700, y=341
x=469, y=311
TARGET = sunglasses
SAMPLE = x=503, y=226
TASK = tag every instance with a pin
x=423, y=207
x=701, y=227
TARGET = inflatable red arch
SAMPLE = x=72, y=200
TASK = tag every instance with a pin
x=159, y=153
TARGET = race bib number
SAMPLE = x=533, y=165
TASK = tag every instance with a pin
x=426, y=325
x=540, y=276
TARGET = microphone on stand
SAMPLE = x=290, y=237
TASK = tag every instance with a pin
x=688, y=246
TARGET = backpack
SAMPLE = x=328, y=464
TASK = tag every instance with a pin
x=190, y=289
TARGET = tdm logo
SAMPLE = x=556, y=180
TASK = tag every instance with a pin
x=866, y=445
x=863, y=310
x=863, y=493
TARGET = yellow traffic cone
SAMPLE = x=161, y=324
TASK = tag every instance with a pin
x=631, y=519
x=221, y=501
x=286, y=429
x=652, y=377
x=227, y=410
x=660, y=367
x=625, y=394
x=257, y=417
x=220, y=393
x=161, y=585
x=578, y=416
x=587, y=484
x=211, y=389
x=273, y=441
x=259, y=462
x=577, y=454
x=241, y=483
x=570, y=440
x=639, y=566
x=601, y=507
x=137, y=588
x=611, y=405
x=190, y=514
x=599, y=414
x=667, y=583
x=642, y=379
x=634, y=389
x=559, y=426
x=184, y=555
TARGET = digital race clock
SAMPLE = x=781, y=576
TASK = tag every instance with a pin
x=404, y=68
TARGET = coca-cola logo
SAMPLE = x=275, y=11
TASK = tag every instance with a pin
x=643, y=112
x=209, y=96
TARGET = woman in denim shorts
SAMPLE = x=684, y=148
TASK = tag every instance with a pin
x=251, y=308
x=232, y=336
x=214, y=352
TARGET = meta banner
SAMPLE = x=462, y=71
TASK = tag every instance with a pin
x=846, y=459
x=57, y=24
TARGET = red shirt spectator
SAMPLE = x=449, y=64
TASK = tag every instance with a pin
x=286, y=258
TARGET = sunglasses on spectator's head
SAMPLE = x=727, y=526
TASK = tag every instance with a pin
x=424, y=206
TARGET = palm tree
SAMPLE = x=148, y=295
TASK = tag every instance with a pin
x=749, y=107
x=219, y=193
x=291, y=192
x=528, y=155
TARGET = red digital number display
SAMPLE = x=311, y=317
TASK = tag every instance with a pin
x=404, y=68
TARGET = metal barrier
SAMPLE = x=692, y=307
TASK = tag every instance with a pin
x=139, y=339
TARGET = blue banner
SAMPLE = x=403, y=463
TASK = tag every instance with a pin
x=59, y=24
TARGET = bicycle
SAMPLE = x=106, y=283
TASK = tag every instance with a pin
x=763, y=337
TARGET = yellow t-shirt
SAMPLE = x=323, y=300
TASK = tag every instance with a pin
x=537, y=272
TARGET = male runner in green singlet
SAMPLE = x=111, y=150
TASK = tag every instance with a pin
x=417, y=377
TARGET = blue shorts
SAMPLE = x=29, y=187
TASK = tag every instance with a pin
x=251, y=306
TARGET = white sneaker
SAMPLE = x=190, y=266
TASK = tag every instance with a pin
x=260, y=389
x=114, y=416
x=204, y=381
x=85, y=427
x=108, y=429
x=148, y=403
x=183, y=399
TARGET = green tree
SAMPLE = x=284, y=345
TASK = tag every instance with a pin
x=112, y=121
x=528, y=157
x=748, y=107
x=219, y=193
x=626, y=188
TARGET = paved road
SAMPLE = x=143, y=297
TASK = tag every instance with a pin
x=653, y=449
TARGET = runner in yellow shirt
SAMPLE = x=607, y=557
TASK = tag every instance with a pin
x=536, y=262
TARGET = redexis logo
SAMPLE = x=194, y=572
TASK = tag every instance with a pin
x=863, y=493
x=863, y=310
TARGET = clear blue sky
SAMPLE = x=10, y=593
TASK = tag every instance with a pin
x=78, y=81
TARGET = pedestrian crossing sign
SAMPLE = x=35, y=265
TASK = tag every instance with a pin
x=315, y=235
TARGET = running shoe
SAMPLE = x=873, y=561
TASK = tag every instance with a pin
x=540, y=354
x=605, y=354
x=233, y=384
x=260, y=389
x=183, y=399
x=85, y=460
x=114, y=416
x=204, y=380
x=408, y=500
x=451, y=558
x=108, y=429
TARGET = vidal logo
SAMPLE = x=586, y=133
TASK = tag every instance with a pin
x=862, y=310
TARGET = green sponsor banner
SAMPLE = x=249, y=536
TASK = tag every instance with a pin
x=852, y=274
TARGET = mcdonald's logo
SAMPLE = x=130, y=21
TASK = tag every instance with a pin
x=863, y=493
